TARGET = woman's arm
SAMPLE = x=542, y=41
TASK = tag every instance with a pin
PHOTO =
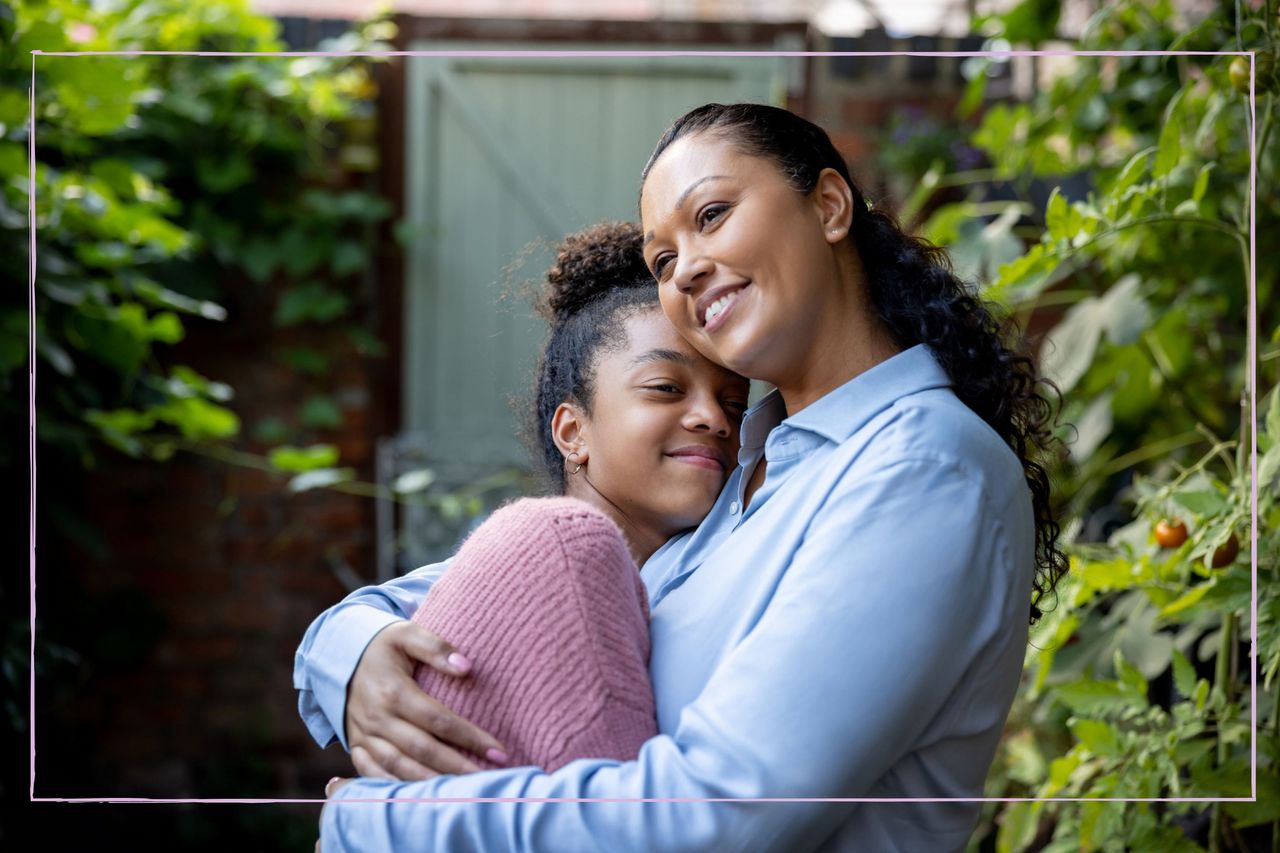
x=905, y=579
x=354, y=676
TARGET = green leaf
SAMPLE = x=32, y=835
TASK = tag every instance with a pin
x=321, y=478
x=1125, y=313
x=301, y=459
x=1056, y=216
x=224, y=173
x=198, y=419
x=1202, y=503
x=1202, y=183
x=311, y=301
x=158, y=295
x=1266, y=809
x=1169, y=149
x=1092, y=428
x=1132, y=171
x=1099, y=737
x=1184, y=674
x=348, y=257
x=409, y=482
x=1019, y=824
x=1088, y=697
x=1070, y=345
x=305, y=360
x=1129, y=676
x=320, y=412
x=165, y=327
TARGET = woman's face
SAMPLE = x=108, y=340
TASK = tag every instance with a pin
x=748, y=268
x=662, y=435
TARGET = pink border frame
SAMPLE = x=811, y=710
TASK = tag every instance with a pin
x=1251, y=335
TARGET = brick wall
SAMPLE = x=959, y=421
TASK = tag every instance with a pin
x=188, y=626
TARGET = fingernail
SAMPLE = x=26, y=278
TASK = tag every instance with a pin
x=497, y=756
x=458, y=662
x=328, y=787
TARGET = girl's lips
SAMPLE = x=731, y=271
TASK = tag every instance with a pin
x=702, y=456
x=700, y=462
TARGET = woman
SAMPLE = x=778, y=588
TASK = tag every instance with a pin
x=850, y=619
x=638, y=432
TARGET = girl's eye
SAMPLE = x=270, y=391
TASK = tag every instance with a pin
x=666, y=388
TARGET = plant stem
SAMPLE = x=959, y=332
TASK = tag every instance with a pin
x=1222, y=681
x=1212, y=224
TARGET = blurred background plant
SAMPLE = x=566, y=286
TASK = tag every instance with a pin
x=1136, y=263
x=158, y=180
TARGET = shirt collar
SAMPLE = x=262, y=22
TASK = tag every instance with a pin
x=841, y=412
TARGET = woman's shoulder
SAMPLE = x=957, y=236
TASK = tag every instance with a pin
x=934, y=426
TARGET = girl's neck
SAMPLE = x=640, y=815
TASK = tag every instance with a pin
x=641, y=542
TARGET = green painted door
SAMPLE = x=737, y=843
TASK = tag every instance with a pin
x=505, y=156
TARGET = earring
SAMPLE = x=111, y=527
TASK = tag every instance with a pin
x=579, y=468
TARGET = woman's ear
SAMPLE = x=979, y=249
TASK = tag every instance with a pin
x=569, y=432
x=834, y=200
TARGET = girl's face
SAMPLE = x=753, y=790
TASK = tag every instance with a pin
x=662, y=435
x=753, y=273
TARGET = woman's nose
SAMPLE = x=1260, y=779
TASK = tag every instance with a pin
x=690, y=270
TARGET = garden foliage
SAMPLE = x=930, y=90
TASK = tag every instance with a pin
x=1137, y=682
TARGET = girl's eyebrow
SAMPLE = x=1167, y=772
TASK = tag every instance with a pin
x=656, y=355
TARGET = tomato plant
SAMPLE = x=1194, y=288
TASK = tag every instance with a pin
x=1137, y=683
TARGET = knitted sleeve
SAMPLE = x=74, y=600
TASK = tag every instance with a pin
x=546, y=601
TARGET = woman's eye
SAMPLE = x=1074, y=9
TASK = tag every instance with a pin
x=711, y=213
x=660, y=265
x=665, y=388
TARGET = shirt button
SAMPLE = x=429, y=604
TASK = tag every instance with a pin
x=733, y=508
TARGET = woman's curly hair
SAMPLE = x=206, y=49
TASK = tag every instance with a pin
x=919, y=300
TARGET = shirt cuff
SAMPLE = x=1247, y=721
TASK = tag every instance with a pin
x=345, y=638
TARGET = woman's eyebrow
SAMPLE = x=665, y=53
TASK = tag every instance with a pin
x=648, y=238
x=656, y=355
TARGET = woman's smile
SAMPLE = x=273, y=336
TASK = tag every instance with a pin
x=715, y=305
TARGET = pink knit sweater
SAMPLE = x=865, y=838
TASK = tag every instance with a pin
x=546, y=602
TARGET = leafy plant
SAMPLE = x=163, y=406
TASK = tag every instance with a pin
x=1137, y=683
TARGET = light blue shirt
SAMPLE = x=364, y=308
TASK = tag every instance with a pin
x=857, y=631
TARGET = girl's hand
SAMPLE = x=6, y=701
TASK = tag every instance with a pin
x=394, y=729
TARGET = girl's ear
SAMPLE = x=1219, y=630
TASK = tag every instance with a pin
x=569, y=432
x=834, y=201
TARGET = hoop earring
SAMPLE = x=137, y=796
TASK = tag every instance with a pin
x=579, y=468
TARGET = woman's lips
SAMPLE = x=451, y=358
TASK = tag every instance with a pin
x=732, y=293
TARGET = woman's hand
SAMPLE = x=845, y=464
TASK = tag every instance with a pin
x=394, y=729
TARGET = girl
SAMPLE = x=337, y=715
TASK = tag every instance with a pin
x=638, y=432
x=850, y=619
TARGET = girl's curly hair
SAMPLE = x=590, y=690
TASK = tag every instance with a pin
x=597, y=279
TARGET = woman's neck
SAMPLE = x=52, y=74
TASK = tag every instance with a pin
x=847, y=341
x=865, y=344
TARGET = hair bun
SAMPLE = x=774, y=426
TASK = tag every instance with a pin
x=590, y=263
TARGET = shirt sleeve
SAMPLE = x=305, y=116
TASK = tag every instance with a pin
x=334, y=643
x=899, y=583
